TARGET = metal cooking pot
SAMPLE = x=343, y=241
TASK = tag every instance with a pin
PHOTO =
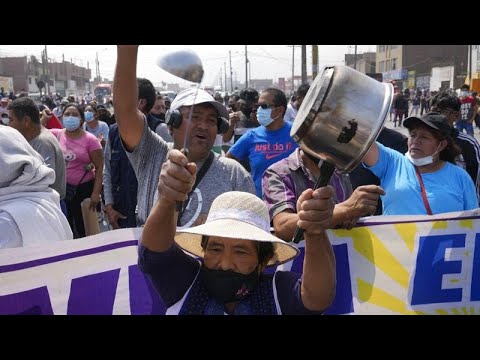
x=341, y=116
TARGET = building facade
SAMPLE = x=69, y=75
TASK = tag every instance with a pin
x=410, y=66
x=64, y=77
x=365, y=63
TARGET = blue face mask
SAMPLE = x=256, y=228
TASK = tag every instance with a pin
x=71, y=123
x=89, y=115
x=264, y=116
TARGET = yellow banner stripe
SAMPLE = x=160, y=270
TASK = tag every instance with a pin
x=379, y=297
x=440, y=225
x=370, y=246
x=407, y=233
x=468, y=224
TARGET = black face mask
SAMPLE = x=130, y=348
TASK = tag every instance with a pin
x=227, y=286
x=160, y=116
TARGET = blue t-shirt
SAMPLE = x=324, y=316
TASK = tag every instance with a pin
x=448, y=189
x=263, y=147
x=102, y=128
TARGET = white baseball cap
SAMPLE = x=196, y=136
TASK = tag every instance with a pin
x=194, y=96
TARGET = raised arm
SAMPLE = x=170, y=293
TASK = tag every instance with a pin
x=371, y=157
x=176, y=181
x=319, y=273
x=125, y=92
x=233, y=119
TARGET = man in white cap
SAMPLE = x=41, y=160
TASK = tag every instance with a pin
x=236, y=246
x=147, y=151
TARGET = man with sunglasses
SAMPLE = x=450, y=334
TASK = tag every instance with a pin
x=269, y=142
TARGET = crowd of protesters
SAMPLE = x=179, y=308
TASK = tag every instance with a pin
x=186, y=169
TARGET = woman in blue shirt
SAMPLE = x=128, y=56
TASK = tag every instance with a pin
x=425, y=180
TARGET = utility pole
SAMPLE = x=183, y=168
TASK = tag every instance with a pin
x=43, y=69
x=98, y=66
x=225, y=67
x=293, y=70
x=231, y=72
x=469, y=65
x=292, y=89
x=47, y=75
x=246, y=67
x=314, y=61
x=355, y=58
x=220, y=79
x=304, y=64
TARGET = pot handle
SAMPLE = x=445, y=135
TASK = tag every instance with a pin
x=326, y=172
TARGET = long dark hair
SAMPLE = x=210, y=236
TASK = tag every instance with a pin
x=76, y=106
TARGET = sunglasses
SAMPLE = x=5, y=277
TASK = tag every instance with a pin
x=266, y=106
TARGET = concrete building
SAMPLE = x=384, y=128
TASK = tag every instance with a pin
x=411, y=65
x=16, y=68
x=63, y=77
x=365, y=63
x=260, y=84
x=475, y=59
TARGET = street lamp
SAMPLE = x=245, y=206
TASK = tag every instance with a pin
x=293, y=67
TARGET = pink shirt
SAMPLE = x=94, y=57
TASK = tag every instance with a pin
x=77, y=155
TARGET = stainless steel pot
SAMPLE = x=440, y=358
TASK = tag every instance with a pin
x=341, y=116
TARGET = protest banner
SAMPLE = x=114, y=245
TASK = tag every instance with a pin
x=385, y=265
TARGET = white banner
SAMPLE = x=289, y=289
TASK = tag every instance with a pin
x=386, y=265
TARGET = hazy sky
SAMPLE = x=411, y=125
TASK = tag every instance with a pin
x=266, y=61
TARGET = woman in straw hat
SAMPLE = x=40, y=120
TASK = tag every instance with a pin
x=236, y=246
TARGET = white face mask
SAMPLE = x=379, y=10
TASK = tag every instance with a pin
x=5, y=120
x=427, y=160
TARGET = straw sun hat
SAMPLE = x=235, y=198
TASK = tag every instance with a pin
x=237, y=215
